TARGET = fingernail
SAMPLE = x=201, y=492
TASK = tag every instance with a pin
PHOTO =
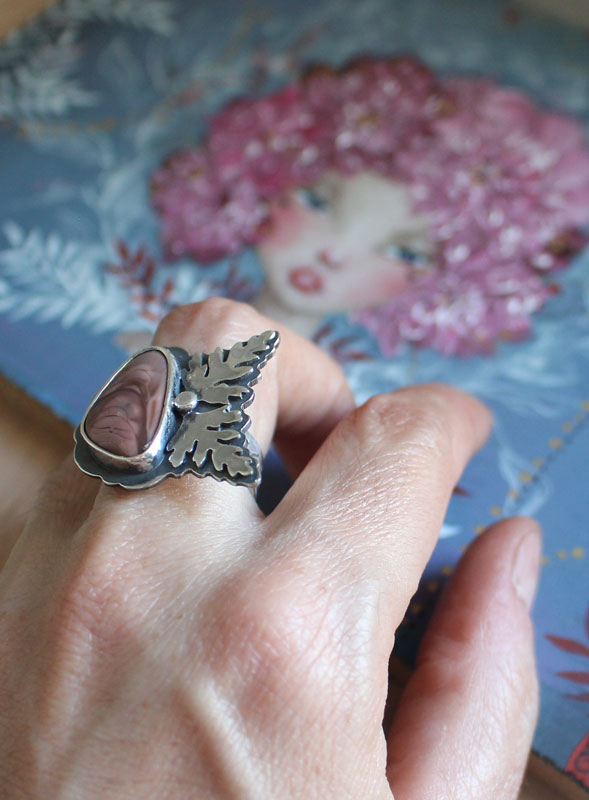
x=526, y=565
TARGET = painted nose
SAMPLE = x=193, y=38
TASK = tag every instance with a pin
x=328, y=259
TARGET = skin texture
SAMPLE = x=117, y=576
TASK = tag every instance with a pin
x=178, y=644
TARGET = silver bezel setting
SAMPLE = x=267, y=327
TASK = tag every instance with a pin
x=232, y=455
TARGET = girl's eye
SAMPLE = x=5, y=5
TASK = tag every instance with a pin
x=312, y=199
x=407, y=254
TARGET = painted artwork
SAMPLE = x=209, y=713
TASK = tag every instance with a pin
x=432, y=209
x=407, y=183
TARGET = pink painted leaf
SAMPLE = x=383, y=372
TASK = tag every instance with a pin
x=569, y=645
x=583, y=697
x=576, y=677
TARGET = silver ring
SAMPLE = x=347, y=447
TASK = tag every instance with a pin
x=165, y=413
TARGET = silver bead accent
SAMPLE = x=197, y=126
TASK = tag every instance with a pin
x=185, y=402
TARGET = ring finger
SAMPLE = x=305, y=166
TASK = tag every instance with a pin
x=302, y=395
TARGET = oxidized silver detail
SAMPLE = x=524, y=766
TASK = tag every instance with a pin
x=203, y=425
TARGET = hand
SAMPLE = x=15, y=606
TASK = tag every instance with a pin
x=174, y=643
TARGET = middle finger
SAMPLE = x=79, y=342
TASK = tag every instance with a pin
x=374, y=496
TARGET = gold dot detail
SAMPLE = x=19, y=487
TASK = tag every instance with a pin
x=415, y=608
x=478, y=529
x=555, y=443
x=496, y=511
x=567, y=426
x=526, y=477
x=432, y=586
x=538, y=462
x=544, y=560
x=513, y=494
x=585, y=405
x=447, y=570
x=578, y=552
x=562, y=554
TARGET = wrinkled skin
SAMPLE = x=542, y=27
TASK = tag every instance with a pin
x=175, y=643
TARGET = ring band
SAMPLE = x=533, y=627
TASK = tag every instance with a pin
x=165, y=413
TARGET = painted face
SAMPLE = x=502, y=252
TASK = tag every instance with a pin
x=343, y=243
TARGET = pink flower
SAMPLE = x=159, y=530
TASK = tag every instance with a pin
x=504, y=183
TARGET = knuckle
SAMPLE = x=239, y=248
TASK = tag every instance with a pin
x=370, y=421
x=414, y=421
x=216, y=313
x=424, y=425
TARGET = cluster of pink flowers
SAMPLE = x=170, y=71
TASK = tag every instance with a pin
x=504, y=183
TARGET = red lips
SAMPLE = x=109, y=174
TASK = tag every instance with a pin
x=305, y=280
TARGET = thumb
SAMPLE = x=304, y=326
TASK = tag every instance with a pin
x=466, y=719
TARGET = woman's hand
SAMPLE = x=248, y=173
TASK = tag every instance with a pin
x=175, y=643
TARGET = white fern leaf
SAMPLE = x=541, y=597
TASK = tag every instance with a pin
x=46, y=278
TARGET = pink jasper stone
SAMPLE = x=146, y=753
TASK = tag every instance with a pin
x=125, y=418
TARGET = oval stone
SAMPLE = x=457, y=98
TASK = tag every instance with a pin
x=125, y=417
